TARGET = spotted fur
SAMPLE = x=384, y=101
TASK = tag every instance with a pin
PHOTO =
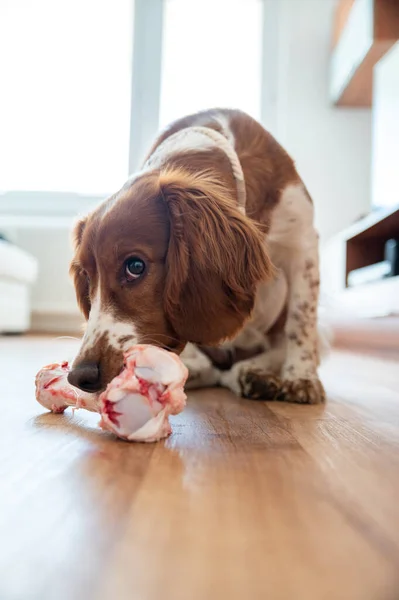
x=209, y=275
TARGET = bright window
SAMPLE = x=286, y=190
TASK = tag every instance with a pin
x=212, y=52
x=65, y=73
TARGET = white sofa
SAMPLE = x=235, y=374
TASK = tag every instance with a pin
x=18, y=271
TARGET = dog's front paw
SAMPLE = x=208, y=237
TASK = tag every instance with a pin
x=258, y=385
x=303, y=391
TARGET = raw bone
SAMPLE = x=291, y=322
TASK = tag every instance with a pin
x=136, y=404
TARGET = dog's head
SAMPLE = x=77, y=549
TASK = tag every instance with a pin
x=167, y=260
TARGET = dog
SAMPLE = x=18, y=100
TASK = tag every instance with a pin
x=209, y=251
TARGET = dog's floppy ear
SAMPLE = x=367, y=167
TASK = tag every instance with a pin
x=77, y=273
x=215, y=260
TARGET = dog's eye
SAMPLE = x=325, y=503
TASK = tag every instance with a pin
x=134, y=268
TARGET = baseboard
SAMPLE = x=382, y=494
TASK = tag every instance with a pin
x=52, y=322
x=380, y=334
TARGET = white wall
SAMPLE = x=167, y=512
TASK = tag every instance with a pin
x=385, y=171
x=330, y=145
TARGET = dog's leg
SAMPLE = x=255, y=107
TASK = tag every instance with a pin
x=298, y=380
x=297, y=244
x=299, y=372
x=287, y=372
x=201, y=372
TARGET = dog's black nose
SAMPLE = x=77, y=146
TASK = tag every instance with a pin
x=86, y=377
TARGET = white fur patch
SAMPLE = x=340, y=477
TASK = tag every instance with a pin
x=103, y=322
x=292, y=219
x=201, y=373
x=225, y=125
x=185, y=139
x=293, y=243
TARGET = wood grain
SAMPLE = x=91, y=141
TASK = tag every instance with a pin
x=245, y=500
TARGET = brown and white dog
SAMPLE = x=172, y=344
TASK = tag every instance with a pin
x=212, y=240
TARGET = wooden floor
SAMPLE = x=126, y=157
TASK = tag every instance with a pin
x=246, y=500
